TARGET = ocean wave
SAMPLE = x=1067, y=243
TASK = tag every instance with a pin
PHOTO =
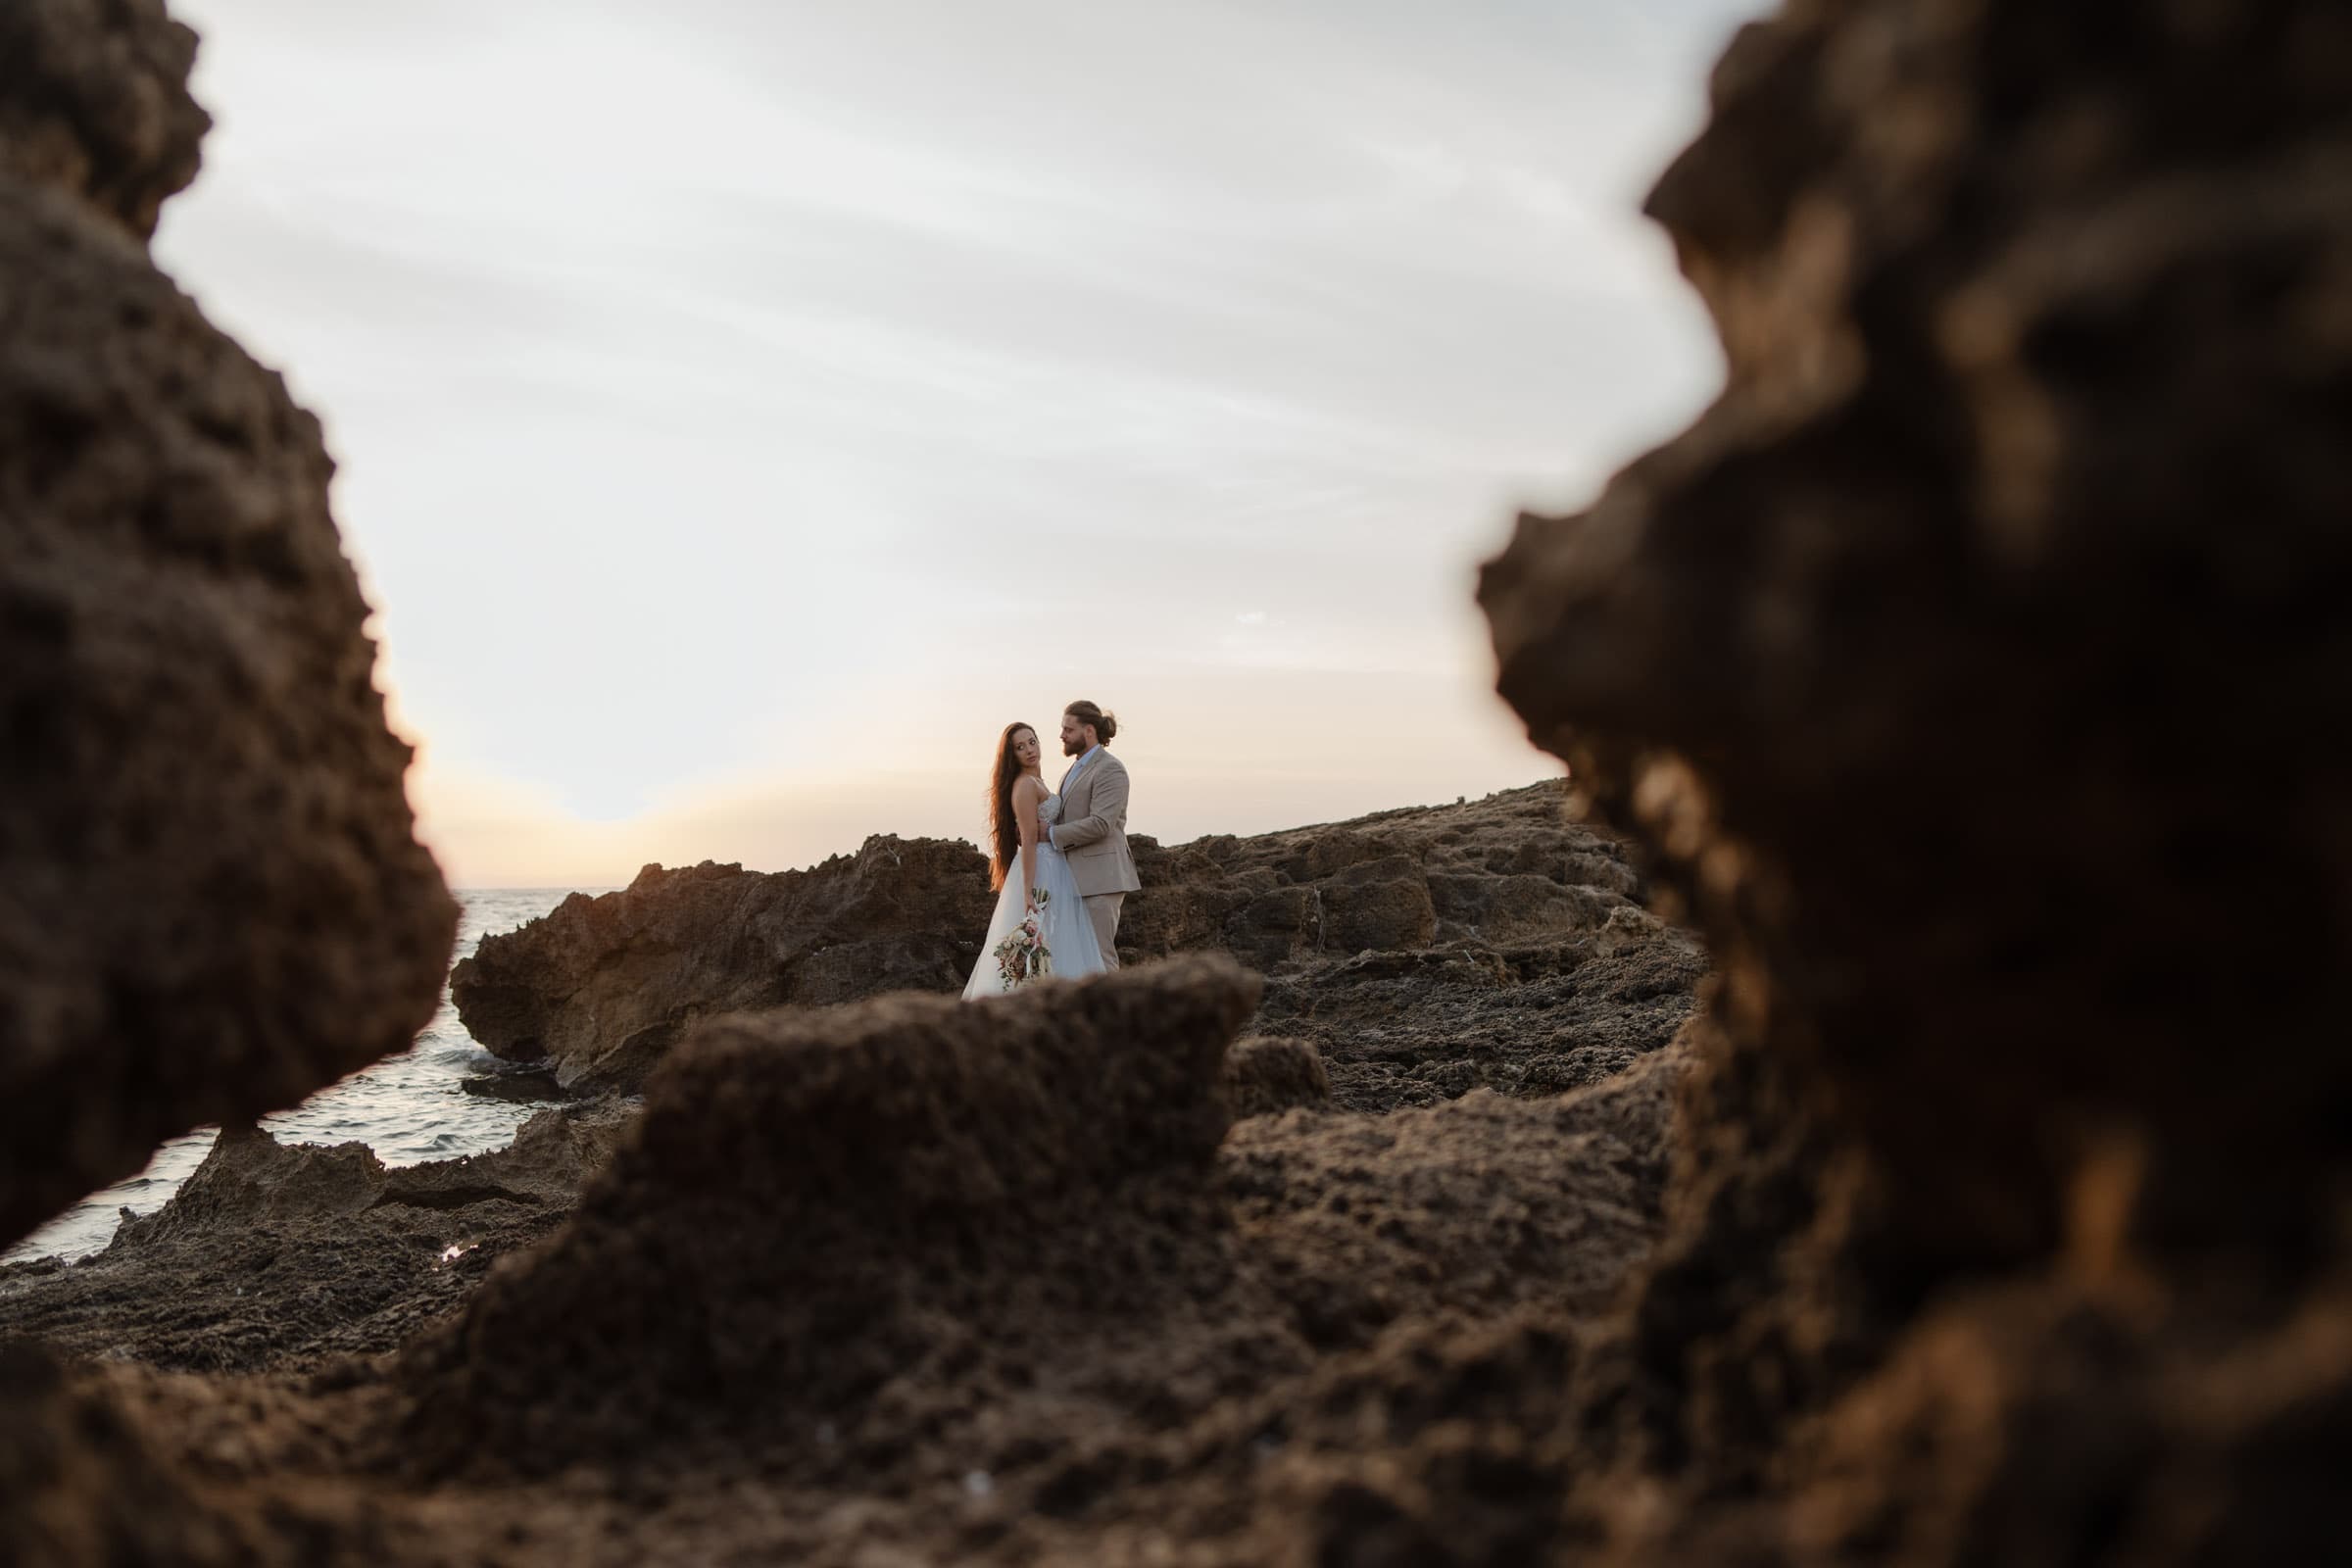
x=409, y=1107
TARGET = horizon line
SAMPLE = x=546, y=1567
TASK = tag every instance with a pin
x=616, y=887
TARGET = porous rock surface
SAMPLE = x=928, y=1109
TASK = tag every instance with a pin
x=910, y=1278
x=1975, y=668
x=1422, y=952
x=602, y=987
x=214, y=902
x=94, y=103
x=1266, y=1075
x=272, y=1257
x=1974, y=675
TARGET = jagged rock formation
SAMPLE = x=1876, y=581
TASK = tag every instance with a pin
x=602, y=987
x=1266, y=1075
x=272, y=1257
x=791, y=1174
x=992, y=1283
x=87, y=1483
x=1976, y=668
x=1975, y=671
x=1134, y=1307
x=213, y=900
x=1428, y=951
x=1423, y=952
x=95, y=104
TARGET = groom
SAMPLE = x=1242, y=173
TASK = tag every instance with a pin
x=1093, y=830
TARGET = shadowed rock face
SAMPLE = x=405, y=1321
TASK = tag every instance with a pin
x=1978, y=669
x=1267, y=1076
x=70, y=1461
x=603, y=987
x=997, y=1280
x=213, y=900
x=1422, y=952
x=1983, y=643
x=971, y=1283
x=801, y=1175
x=1979, y=659
x=851, y=1264
x=274, y=1256
x=94, y=102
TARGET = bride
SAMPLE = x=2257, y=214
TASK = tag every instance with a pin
x=1041, y=927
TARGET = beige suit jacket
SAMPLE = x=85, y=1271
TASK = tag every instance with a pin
x=1093, y=830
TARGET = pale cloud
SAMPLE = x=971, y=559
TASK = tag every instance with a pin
x=708, y=380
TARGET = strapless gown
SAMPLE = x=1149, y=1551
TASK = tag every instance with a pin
x=1069, y=936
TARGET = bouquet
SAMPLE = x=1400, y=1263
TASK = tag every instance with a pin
x=1023, y=956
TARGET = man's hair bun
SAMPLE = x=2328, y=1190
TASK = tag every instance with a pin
x=1107, y=724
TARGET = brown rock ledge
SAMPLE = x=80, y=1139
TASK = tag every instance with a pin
x=1423, y=952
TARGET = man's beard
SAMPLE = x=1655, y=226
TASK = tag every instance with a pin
x=1074, y=748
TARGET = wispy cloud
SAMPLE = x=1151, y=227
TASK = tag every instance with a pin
x=715, y=382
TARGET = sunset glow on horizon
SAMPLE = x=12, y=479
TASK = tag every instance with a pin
x=743, y=411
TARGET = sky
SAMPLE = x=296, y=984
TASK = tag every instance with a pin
x=744, y=409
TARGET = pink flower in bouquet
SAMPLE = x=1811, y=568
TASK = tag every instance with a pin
x=1023, y=956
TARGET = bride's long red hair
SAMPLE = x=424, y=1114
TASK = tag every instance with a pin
x=1002, y=828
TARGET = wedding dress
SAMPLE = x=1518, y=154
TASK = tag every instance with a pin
x=1068, y=934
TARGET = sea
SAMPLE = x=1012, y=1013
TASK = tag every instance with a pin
x=408, y=1108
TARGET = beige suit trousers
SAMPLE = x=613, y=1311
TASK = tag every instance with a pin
x=1103, y=910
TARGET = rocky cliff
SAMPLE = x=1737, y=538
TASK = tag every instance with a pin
x=1974, y=673
x=1421, y=952
x=214, y=901
x=1977, y=668
x=600, y=988
x=288, y=1256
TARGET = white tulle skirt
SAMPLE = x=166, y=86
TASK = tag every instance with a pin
x=1069, y=935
